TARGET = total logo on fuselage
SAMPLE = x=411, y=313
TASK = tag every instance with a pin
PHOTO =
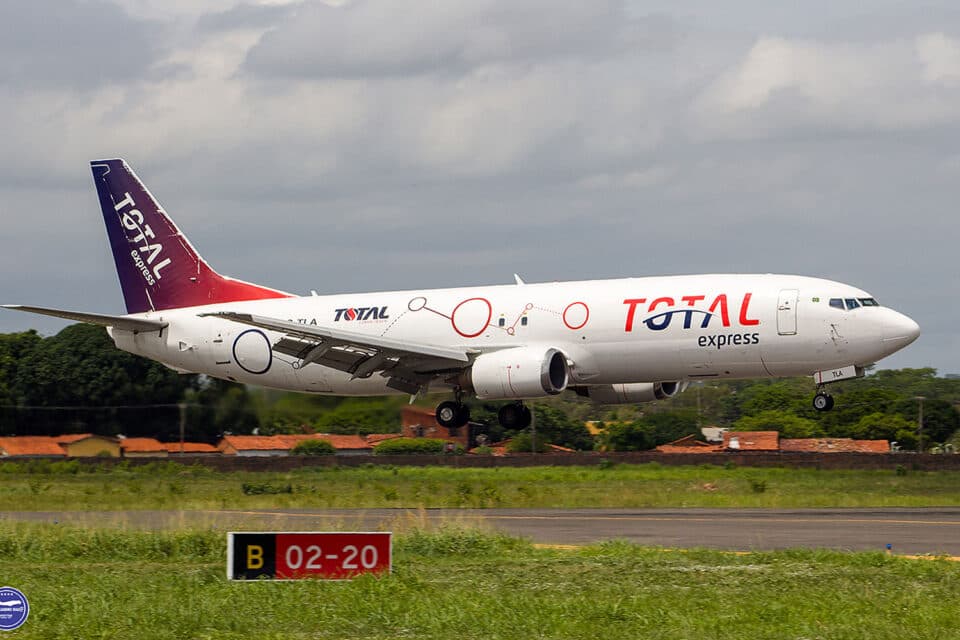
x=662, y=311
x=361, y=314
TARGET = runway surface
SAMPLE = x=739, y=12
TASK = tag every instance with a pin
x=910, y=531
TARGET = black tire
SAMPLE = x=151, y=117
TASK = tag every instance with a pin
x=448, y=414
x=823, y=402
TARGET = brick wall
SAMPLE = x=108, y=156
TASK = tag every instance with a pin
x=912, y=461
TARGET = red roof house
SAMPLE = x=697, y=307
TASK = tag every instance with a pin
x=280, y=445
x=31, y=447
x=751, y=441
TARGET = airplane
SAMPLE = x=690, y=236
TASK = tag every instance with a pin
x=614, y=341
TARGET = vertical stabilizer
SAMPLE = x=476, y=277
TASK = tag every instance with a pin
x=157, y=266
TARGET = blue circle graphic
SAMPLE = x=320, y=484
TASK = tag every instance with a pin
x=14, y=608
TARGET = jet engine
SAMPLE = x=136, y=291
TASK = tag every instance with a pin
x=631, y=393
x=521, y=372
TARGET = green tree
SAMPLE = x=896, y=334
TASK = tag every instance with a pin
x=80, y=367
x=362, y=416
x=218, y=407
x=558, y=428
x=523, y=443
x=628, y=436
x=879, y=426
x=313, y=447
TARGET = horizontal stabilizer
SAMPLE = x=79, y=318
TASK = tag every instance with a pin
x=124, y=323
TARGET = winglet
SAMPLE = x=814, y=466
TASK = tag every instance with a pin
x=519, y=280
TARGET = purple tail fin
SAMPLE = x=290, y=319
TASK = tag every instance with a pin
x=158, y=267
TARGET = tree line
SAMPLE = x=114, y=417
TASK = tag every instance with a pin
x=76, y=381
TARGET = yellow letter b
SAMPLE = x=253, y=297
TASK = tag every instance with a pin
x=254, y=556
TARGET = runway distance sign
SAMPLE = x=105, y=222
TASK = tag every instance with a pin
x=323, y=555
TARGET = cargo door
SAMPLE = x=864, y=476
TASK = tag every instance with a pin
x=787, y=312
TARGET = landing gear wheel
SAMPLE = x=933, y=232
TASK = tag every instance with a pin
x=514, y=416
x=823, y=401
x=452, y=414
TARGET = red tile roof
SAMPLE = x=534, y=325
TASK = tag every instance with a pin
x=752, y=440
x=31, y=446
x=834, y=445
x=252, y=443
x=190, y=447
x=689, y=444
x=72, y=437
x=287, y=442
x=142, y=445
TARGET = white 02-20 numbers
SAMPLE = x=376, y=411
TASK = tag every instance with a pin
x=311, y=559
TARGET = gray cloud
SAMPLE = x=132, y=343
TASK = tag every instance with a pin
x=372, y=38
x=245, y=16
x=69, y=43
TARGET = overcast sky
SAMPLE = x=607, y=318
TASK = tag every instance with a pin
x=374, y=145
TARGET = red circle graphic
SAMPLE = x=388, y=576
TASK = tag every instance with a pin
x=483, y=327
x=586, y=315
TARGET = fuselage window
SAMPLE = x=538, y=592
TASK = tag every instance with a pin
x=836, y=303
x=502, y=322
x=852, y=303
x=523, y=321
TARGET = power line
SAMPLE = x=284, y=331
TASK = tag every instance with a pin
x=99, y=408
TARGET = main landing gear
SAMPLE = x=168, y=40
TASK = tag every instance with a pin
x=453, y=414
x=514, y=416
x=823, y=401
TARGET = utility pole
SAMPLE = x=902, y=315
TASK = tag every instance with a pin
x=920, y=399
x=183, y=422
x=699, y=420
x=533, y=431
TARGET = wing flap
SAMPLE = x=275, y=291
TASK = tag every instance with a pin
x=361, y=355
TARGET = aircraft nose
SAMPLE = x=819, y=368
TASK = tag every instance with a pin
x=899, y=329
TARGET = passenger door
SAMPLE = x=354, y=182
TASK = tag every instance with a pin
x=787, y=312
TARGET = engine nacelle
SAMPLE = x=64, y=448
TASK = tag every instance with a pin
x=522, y=372
x=632, y=393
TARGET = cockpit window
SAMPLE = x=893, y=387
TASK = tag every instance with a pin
x=853, y=303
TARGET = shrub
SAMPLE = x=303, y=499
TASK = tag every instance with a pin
x=407, y=446
x=483, y=450
x=313, y=448
x=522, y=443
x=265, y=488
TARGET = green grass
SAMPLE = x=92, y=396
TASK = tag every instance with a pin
x=62, y=486
x=462, y=583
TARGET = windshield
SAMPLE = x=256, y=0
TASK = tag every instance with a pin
x=853, y=303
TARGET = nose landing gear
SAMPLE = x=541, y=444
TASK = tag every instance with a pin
x=822, y=401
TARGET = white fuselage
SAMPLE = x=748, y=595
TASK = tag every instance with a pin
x=632, y=330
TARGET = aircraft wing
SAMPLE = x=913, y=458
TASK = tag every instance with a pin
x=125, y=323
x=408, y=365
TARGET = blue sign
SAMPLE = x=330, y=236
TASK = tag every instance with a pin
x=14, y=608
